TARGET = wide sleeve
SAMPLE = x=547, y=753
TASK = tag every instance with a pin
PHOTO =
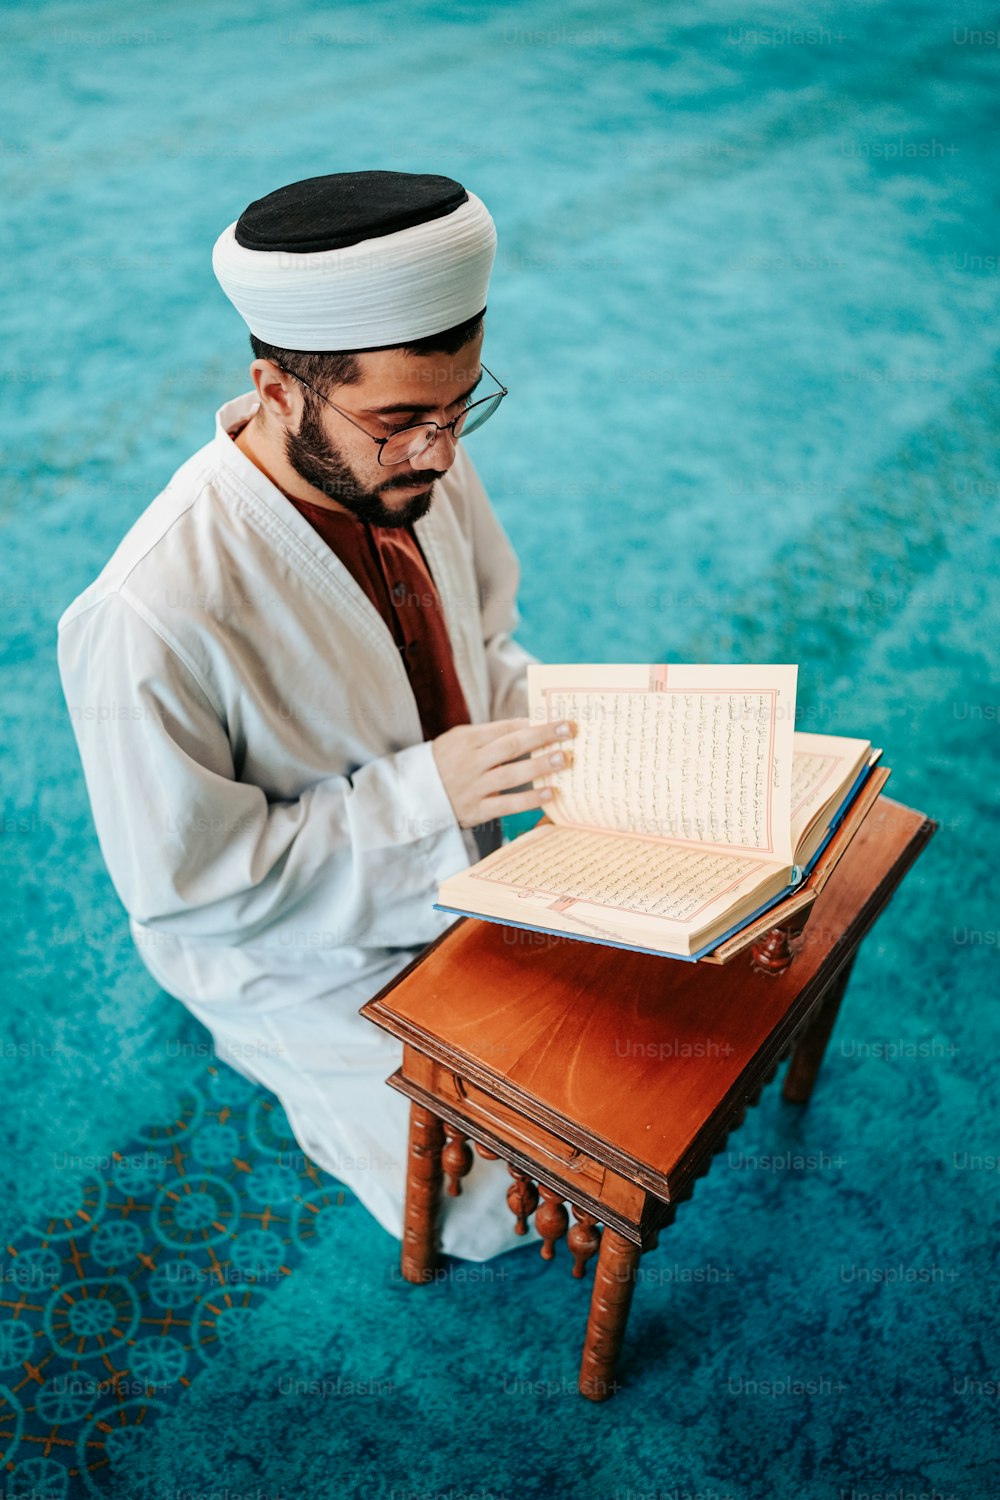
x=498, y=573
x=196, y=853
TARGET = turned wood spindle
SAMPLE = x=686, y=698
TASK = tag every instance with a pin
x=551, y=1220
x=772, y=953
x=456, y=1158
x=522, y=1198
x=583, y=1239
x=485, y=1152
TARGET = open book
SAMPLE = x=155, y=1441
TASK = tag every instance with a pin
x=690, y=804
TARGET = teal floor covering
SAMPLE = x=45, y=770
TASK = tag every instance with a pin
x=746, y=303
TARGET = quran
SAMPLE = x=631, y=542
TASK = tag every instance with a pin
x=689, y=806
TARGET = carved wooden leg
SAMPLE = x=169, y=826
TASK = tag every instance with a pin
x=614, y=1283
x=583, y=1239
x=456, y=1158
x=522, y=1198
x=551, y=1220
x=423, y=1194
x=809, y=1050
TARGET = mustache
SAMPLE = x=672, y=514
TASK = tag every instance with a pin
x=424, y=480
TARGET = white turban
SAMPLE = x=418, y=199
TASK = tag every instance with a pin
x=380, y=291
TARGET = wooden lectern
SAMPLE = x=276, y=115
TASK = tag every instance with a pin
x=608, y=1079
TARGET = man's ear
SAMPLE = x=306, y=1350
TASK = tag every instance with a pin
x=280, y=394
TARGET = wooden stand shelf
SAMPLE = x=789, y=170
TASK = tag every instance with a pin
x=622, y=1073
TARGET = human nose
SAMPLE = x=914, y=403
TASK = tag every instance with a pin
x=447, y=432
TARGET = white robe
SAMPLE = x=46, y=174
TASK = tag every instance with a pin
x=270, y=814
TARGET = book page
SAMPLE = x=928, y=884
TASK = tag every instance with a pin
x=669, y=897
x=702, y=754
x=821, y=763
x=653, y=878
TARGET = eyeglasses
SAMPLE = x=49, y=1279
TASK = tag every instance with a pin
x=408, y=443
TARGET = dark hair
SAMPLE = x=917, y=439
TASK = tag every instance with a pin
x=327, y=370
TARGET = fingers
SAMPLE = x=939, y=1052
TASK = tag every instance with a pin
x=498, y=763
x=509, y=803
x=516, y=773
x=523, y=738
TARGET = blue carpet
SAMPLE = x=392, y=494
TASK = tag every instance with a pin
x=746, y=302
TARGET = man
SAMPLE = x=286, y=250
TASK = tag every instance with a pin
x=294, y=686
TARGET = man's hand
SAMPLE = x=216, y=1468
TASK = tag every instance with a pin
x=477, y=763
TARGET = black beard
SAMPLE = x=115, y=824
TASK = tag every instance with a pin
x=319, y=463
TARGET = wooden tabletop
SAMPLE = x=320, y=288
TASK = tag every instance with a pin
x=633, y=1057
